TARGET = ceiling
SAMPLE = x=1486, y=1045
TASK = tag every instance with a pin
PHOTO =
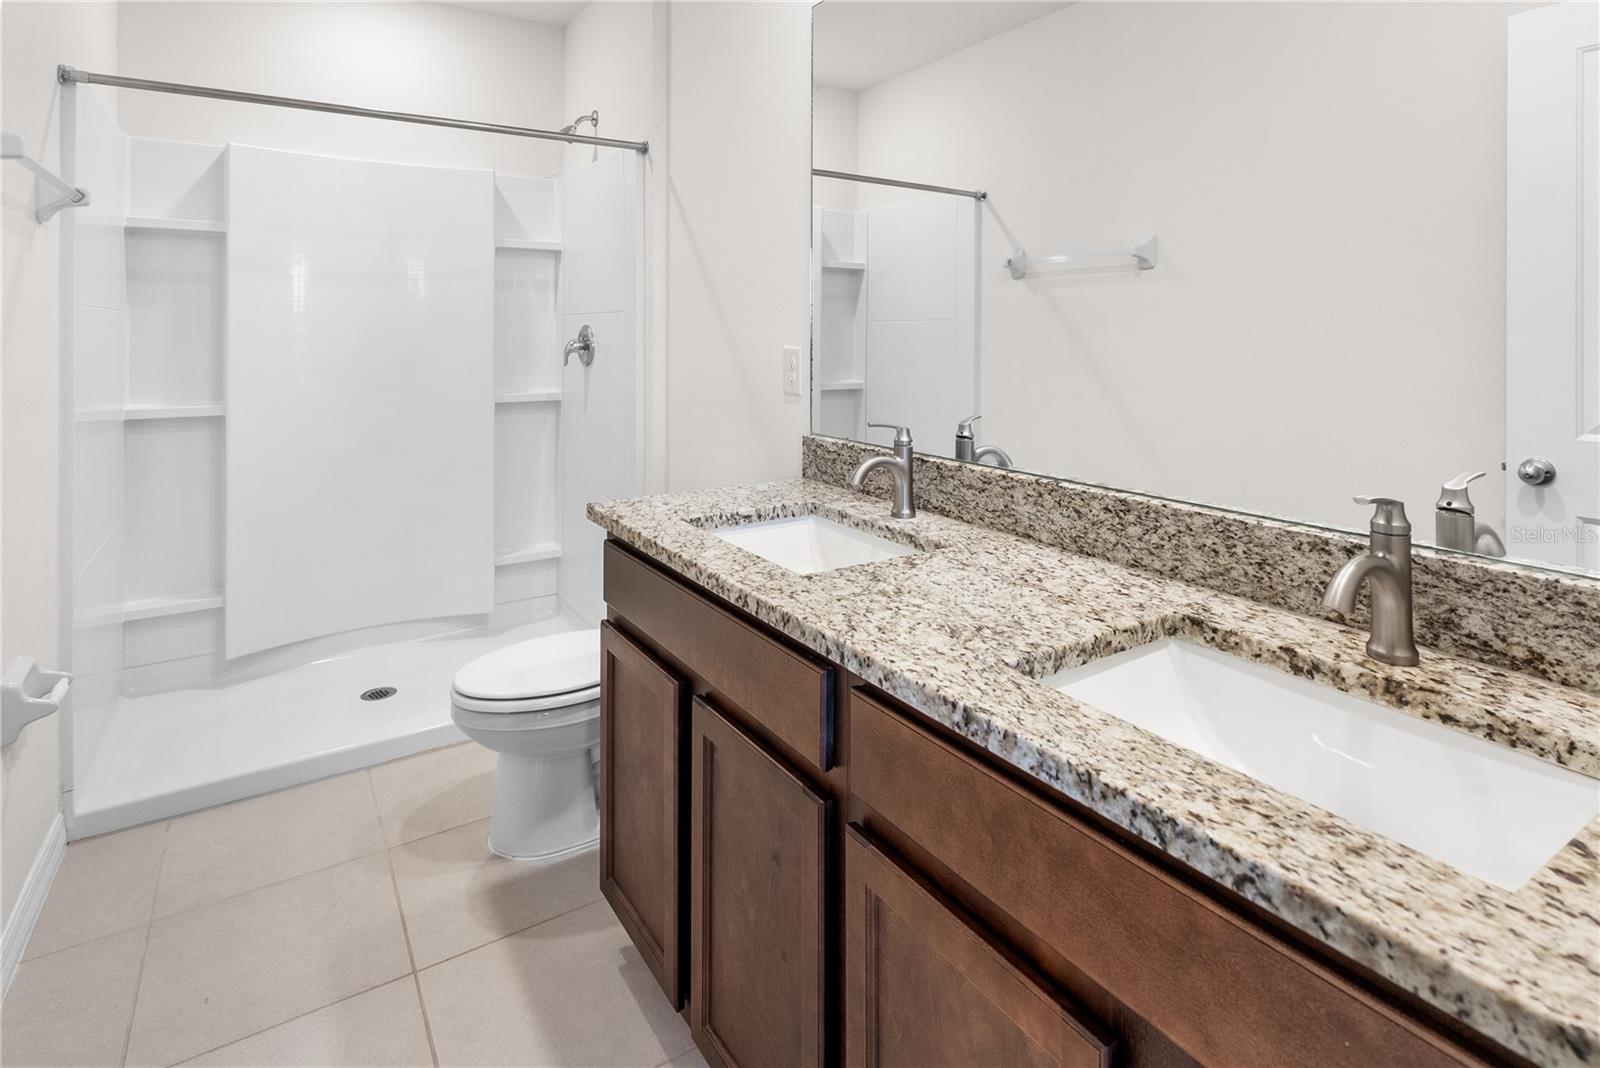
x=859, y=43
x=551, y=14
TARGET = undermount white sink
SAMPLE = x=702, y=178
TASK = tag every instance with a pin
x=1484, y=809
x=808, y=544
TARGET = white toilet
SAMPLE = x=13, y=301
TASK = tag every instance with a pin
x=537, y=704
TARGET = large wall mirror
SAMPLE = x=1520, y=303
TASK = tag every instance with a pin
x=1264, y=256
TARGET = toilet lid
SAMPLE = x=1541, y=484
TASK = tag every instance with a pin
x=541, y=667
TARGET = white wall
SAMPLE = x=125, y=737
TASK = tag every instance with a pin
x=34, y=37
x=1327, y=182
x=609, y=66
x=418, y=57
x=738, y=217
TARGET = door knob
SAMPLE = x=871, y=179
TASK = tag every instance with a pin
x=1536, y=471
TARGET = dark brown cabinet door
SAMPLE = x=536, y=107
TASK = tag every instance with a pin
x=757, y=895
x=642, y=711
x=924, y=987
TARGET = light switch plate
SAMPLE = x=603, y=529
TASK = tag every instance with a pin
x=791, y=370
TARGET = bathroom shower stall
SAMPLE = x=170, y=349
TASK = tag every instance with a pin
x=325, y=445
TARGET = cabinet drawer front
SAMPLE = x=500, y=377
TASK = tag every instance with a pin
x=1224, y=990
x=789, y=693
x=642, y=851
x=926, y=988
x=758, y=891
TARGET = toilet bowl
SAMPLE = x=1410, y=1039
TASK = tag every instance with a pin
x=536, y=704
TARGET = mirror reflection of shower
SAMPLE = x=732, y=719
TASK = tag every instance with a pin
x=894, y=297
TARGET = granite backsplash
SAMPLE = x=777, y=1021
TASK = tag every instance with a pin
x=1526, y=620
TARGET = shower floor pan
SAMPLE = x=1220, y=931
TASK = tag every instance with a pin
x=166, y=754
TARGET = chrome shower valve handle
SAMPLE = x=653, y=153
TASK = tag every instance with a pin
x=583, y=345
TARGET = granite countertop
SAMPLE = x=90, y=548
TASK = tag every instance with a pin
x=963, y=631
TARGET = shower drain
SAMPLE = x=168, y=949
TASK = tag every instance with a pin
x=378, y=693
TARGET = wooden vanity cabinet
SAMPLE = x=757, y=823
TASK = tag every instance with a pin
x=758, y=902
x=756, y=822
x=825, y=877
x=642, y=781
x=926, y=985
x=1146, y=947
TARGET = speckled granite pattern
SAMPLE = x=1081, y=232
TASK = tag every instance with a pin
x=960, y=630
x=1529, y=621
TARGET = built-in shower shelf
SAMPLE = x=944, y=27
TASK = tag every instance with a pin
x=842, y=384
x=844, y=265
x=545, y=550
x=520, y=244
x=188, y=226
x=156, y=607
x=149, y=411
x=173, y=411
x=148, y=608
x=529, y=396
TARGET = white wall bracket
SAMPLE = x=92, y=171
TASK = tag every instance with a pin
x=27, y=693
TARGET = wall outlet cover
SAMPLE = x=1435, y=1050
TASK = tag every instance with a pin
x=791, y=370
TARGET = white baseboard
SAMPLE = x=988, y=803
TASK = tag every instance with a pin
x=19, y=925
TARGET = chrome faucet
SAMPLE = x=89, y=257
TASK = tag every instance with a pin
x=1455, y=520
x=898, y=465
x=1386, y=565
x=969, y=450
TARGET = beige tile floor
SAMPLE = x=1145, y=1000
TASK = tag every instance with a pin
x=360, y=920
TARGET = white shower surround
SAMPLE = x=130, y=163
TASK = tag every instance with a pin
x=154, y=389
x=360, y=364
x=895, y=320
x=360, y=310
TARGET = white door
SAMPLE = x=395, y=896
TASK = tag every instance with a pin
x=1553, y=282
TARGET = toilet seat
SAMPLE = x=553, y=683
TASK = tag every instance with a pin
x=555, y=671
x=539, y=685
x=551, y=703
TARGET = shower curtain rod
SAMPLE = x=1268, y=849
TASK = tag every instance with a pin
x=975, y=194
x=72, y=74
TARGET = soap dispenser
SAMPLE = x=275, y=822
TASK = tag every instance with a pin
x=1456, y=523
